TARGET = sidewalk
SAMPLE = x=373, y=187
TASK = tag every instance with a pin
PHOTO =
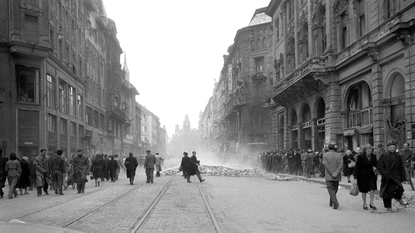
x=343, y=183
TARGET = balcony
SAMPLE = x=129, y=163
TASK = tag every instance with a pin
x=311, y=77
x=116, y=113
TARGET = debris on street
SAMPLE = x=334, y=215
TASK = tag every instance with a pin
x=209, y=170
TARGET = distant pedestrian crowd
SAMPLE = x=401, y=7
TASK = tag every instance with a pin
x=44, y=173
x=364, y=164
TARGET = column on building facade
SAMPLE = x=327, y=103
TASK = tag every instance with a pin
x=333, y=118
x=330, y=27
x=285, y=37
x=410, y=94
x=310, y=32
x=297, y=60
x=378, y=113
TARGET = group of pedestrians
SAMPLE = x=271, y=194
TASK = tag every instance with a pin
x=297, y=162
x=390, y=165
x=190, y=166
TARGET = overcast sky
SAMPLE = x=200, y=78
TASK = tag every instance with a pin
x=175, y=50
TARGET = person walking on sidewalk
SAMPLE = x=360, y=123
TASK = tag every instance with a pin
x=408, y=157
x=149, y=163
x=159, y=160
x=193, y=169
x=364, y=175
x=24, y=180
x=43, y=180
x=13, y=170
x=392, y=169
x=348, y=164
x=333, y=162
x=113, y=165
x=81, y=166
x=131, y=164
x=97, y=168
x=57, y=165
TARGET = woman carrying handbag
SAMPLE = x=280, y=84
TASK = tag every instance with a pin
x=365, y=174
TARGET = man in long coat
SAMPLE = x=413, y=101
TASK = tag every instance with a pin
x=131, y=164
x=193, y=169
x=80, y=167
x=392, y=169
x=308, y=166
x=43, y=173
x=185, y=164
x=333, y=162
x=58, y=168
x=149, y=163
x=97, y=169
x=3, y=173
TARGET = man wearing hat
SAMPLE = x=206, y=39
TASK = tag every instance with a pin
x=392, y=169
x=333, y=162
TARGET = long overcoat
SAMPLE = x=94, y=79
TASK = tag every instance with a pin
x=42, y=170
x=392, y=169
x=24, y=180
x=185, y=164
x=193, y=168
x=98, y=167
x=131, y=164
x=364, y=172
x=309, y=163
x=80, y=168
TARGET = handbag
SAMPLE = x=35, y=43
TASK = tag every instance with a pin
x=354, y=190
x=351, y=164
x=180, y=169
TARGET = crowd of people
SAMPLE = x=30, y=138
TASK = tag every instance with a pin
x=57, y=172
x=363, y=164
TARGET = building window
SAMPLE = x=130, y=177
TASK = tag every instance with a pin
x=52, y=39
x=96, y=119
x=51, y=86
x=31, y=28
x=71, y=101
x=359, y=106
x=277, y=28
x=290, y=9
x=361, y=18
x=63, y=126
x=343, y=31
x=102, y=121
x=80, y=108
x=27, y=84
x=63, y=100
x=73, y=129
x=259, y=64
x=52, y=123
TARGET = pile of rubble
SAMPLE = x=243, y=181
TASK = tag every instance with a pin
x=208, y=170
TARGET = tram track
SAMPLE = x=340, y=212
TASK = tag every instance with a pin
x=144, y=218
x=100, y=207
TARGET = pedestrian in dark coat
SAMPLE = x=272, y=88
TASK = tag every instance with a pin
x=97, y=169
x=113, y=165
x=24, y=181
x=348, y=158
x=149, y=164
x=309, y=163
x=392, y=169
x=13, y=170
x=3, y=173
x=364, y=174
x=131, y=164
x=193, y=169
x=33, y=175
x=185, y=164
x=81, y=168
x=58, y=169
x=43, y=176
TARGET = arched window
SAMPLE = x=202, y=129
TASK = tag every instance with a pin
x=397, y=87
x=359, y=105
x=321, y=109
x=294, y=118
x=306, y=115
